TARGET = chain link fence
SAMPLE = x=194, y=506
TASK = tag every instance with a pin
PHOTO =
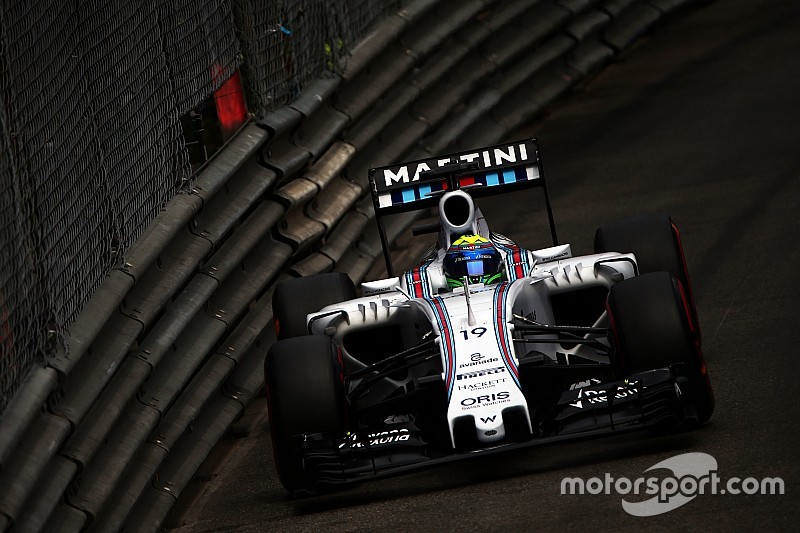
x=288, y=43
x=92, y=144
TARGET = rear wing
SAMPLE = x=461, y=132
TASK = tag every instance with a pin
x=491, y=170
x=486, y=171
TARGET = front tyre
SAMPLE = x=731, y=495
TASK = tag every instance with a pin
x=294, y=299
x=653, y=328
x=656, y=243
x=305, y=394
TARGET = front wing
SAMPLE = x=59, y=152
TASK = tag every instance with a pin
x=645, y=400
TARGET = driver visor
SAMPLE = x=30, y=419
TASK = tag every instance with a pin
x=475, y=268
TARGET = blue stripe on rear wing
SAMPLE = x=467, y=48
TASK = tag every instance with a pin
x=491, y=170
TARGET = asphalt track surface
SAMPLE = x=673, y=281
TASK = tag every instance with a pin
x=699, y=120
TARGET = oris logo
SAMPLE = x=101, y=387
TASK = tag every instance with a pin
x=485, y=399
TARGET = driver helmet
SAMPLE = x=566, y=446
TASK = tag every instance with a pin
x=475, y=257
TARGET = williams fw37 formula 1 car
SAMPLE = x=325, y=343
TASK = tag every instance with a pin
x=483, y=346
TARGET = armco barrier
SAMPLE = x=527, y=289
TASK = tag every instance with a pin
x=169, y=351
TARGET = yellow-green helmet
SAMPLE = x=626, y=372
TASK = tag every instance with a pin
x=474, y=257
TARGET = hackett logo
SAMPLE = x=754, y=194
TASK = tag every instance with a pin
x=514, y=153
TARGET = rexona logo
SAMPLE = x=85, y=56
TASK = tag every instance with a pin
x=486, y=399
x=589, y=397
x=690, y=475
x=514, y=153
x=376, y=439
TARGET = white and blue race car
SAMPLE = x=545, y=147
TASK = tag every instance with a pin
x=483, y=346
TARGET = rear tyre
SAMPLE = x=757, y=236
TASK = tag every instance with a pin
x=656, y=243
x=296, y=298
x=653, y=329
x=305, y=393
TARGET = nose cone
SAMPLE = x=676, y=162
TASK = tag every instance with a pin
x=490, y=428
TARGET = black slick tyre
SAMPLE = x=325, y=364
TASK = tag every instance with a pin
x=656, y=243
x=652, y=328
x=305, y=394
x=294, y=299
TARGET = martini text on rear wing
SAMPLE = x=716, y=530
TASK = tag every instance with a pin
x=491, y=170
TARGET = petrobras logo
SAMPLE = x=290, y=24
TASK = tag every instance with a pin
x=493, y=157
x=554, y=257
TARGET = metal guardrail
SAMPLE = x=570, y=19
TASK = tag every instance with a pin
x=169, y=351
